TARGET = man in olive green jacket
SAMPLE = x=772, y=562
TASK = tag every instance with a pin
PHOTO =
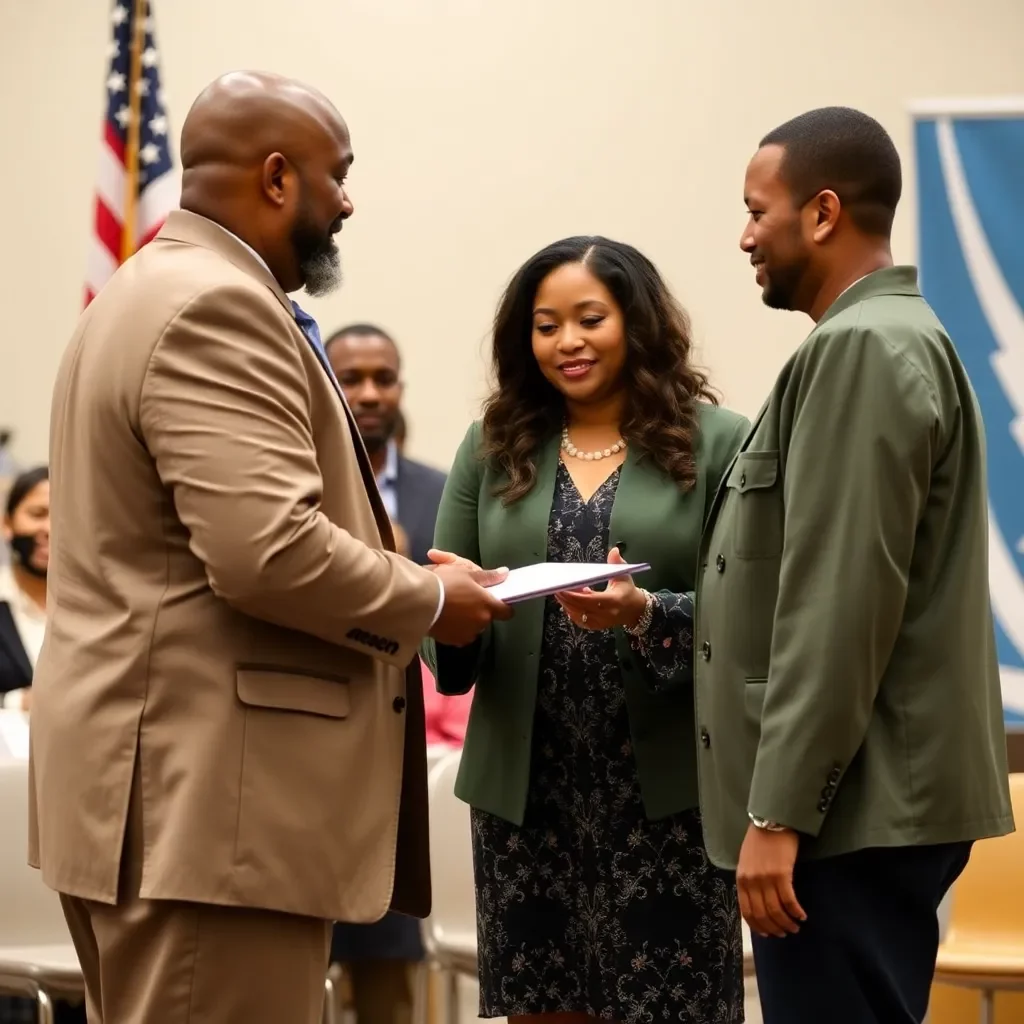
x=850, y=734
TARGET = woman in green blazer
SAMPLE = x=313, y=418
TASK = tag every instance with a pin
x=594, y=895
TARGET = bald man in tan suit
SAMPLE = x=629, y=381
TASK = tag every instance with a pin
x=227, y=736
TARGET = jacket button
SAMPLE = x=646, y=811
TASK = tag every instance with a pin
x=743, y=479
x=705, y=650
x=398, y=704
x=834, y=776
x=705, y=738
x=823, y=805
x=720, y=563
x=828, y=792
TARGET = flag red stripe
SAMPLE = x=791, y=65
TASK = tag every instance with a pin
x=114, y=141
x=108, y=229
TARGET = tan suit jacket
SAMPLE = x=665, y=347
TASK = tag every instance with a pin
x=230, y=632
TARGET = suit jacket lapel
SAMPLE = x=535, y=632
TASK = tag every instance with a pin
x=11, y=641
x=410, y=511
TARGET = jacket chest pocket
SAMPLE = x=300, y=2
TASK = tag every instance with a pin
x=755, y=497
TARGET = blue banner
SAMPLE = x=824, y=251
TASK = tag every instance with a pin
x=970, y=184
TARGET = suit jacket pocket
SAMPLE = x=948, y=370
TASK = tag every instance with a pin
x=289, y=691
x=756, y=492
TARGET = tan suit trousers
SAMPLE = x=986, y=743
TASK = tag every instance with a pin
x=166, y=962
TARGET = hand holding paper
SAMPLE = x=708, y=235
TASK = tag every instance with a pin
x=546, y=578
x=621, y=604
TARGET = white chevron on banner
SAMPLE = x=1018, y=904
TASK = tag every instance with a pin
x=1006, y=322
x=997, y=301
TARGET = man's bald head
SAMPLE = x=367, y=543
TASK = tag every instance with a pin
x=266, y=157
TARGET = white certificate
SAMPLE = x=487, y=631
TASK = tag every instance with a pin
x=546, y=578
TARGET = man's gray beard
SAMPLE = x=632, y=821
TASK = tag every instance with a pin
x=322, y=273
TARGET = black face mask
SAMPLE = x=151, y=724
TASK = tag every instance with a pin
x=24, y=545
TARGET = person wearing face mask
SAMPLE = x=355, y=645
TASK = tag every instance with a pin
x=26, y=529
x=595, y=899
x=228, y=747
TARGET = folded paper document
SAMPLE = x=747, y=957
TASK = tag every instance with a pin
x=546, y=578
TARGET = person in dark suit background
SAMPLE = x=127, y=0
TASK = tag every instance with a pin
x=26, y=530
x=379, y=957
x=368, y=365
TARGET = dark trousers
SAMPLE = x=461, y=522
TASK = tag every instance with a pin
x=866, y=953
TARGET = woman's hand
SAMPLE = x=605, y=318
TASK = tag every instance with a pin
x=621, y=604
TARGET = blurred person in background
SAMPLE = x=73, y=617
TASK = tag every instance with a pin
x=9, y=469
x=368, y=366
x=26, y=535
x=380, y=958
x=26, y=531
x=595, y=898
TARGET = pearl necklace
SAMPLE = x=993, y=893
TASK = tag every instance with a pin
x=573, y=452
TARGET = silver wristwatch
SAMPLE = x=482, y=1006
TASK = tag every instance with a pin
x=765, y=825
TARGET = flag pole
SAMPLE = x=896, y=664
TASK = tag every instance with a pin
x=131, y=199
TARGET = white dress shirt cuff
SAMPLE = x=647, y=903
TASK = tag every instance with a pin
x=440, y=602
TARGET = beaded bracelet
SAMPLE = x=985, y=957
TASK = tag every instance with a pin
x=644, y=622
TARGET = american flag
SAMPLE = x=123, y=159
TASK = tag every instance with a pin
x=138, y=183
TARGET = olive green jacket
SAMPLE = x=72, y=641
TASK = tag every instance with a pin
x=846, y=675
x=658, y=523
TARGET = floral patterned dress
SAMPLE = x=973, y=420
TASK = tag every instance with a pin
x=590, y=907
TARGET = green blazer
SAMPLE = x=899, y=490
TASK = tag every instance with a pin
x=846, y=676
x=659, y=524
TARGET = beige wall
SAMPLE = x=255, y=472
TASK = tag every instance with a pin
x=484, y=129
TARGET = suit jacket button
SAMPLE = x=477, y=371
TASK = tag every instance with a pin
x=705, y=650
x=705, y=738
x=398, y=704
x=720, y=563
x=823, y=805
x=743, y=479
x=828, y=792
x=834, y=776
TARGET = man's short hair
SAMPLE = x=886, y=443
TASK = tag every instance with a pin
x=361, y=330
x=848, y=152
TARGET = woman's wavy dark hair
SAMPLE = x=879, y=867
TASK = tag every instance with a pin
x=662, y=387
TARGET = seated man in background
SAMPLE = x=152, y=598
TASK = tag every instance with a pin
x=379, y=958
x=367, y=363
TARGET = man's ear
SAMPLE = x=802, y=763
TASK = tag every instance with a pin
x=826, y=208
x=276, y=178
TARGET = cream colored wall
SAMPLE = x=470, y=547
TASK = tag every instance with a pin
x=483, y=130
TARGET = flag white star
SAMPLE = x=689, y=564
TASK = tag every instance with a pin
x=113, y=50
x=149, y=57
x=119, y=15
x=158, y=125
x=115, y=83
x=123, y=116
x=149, y=154
x=142, y=86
